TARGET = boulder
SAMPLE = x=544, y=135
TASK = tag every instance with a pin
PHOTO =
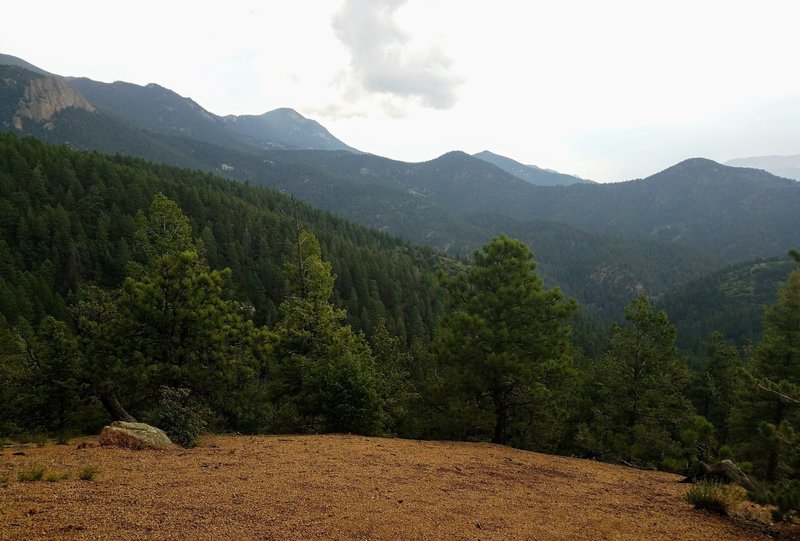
x=134, y=436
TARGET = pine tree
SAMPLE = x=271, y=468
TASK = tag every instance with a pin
x=168, y=325
x=503, y=331
x=638, y=391
x=768, y=412
x=715, y=385
x=326, y=375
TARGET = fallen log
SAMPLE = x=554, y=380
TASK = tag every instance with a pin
x=724, y=471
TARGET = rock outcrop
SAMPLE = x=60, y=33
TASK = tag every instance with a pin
x=46, y=96
x=134, y=436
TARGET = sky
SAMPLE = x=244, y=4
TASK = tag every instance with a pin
x=609, y=90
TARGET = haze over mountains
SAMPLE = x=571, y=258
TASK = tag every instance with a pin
x=530, y=173
x=601, y=242
x=783, y=166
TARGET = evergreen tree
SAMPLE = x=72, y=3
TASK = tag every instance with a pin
x=396, y=388
x=638, y=389
x=168, y=325
x=326, y=378
x=502, y=331
x=768, y=411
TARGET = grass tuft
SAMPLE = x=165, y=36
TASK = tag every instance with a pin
x=87, y=473
x=713, y=496
x=31, y=473
x=54, y=476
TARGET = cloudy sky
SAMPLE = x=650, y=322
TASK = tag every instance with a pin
x=607, y=90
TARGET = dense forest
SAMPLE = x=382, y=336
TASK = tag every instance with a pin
x=135, y=290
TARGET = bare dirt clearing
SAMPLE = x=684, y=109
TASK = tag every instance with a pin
x=343, y=487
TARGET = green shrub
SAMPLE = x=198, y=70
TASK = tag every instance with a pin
x=785, y=496
x=713, y=496
x=38, y=438
x=180, y=417
x=87, y=473
x=53, y=476
x=31, y=473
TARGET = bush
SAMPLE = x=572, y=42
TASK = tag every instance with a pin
x=713, y=496
x=785, y=496
x=53, y=476
x=181, y=418
x=87, y=473
x=31, y=473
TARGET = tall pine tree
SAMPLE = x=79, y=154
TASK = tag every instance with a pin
x=503, y=331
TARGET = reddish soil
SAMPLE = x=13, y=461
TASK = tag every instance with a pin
x=344, y=487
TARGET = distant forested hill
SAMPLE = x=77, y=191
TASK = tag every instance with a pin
x=731, y=301
x=68, y=219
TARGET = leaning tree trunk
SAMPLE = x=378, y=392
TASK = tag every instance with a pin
x=115, y=409
x=502, y=414
x=725, y=472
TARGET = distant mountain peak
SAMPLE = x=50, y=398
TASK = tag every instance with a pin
x=8, y=60
x=285, y=128
x=782, y=166
x=531, y=174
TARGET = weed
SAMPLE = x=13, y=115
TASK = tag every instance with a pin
x=31, y=473
x=53, y=476
x=713, y=496
x=87, y=473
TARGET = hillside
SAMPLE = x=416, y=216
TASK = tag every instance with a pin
x=731, y=301
x=346, y=487
x=74, y=213
x=530, y=173
x=734, y=213
x=696, y=216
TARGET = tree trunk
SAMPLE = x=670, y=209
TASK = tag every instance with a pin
x=115, y=409
x=501, y=411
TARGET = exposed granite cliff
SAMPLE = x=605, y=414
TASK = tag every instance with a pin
x=44, y=97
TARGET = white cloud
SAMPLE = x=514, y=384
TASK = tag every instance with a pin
x=386, y=65
x=608, y=90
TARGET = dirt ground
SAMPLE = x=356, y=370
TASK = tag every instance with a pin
x=344, y=487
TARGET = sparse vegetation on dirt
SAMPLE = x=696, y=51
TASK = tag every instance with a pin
x=87, y=473
x=348, y=487
x=31, y=473
x=714, y=496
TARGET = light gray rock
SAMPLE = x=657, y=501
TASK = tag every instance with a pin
x=134, y=436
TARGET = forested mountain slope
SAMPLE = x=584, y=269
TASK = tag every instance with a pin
x=700, y=215
x=68, y=218
x=731, y=301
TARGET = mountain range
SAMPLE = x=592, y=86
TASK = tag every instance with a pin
x=603, y=243
x=530, y=173
x=782, y=166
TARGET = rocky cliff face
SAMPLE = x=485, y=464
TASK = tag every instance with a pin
x=46, y=96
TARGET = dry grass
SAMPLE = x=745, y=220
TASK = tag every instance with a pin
x=347, y=487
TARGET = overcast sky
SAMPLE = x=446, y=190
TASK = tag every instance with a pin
x=607, y=90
